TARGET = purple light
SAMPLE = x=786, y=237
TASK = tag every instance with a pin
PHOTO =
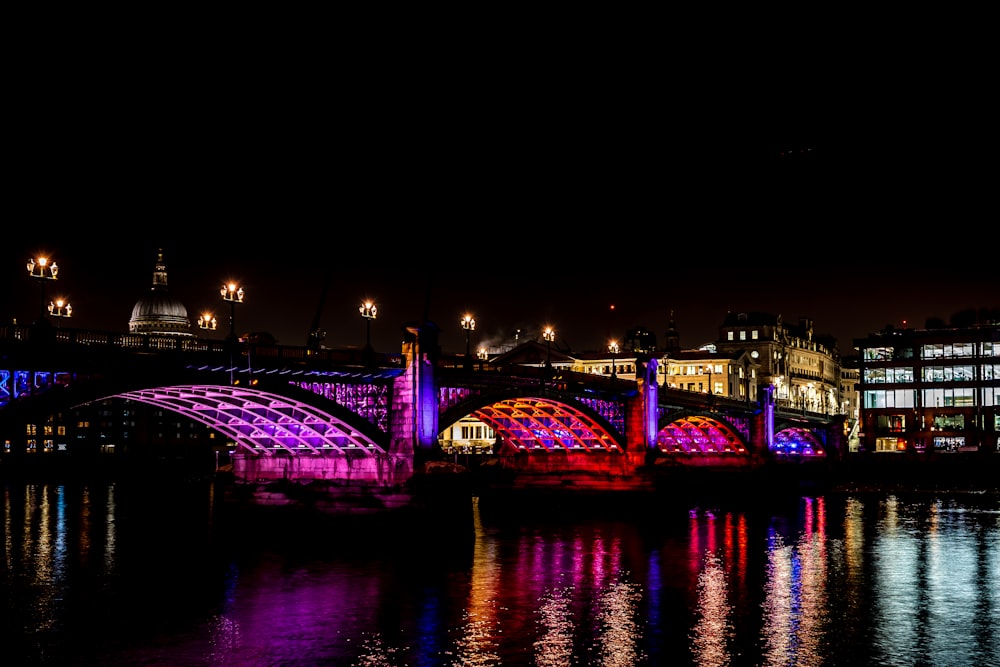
x=259, y=421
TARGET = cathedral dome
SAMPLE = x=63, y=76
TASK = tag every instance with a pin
x=158, y=313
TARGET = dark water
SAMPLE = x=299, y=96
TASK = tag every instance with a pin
x=117, y=574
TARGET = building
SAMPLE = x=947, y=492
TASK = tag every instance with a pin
x=804, y=368
x=158, y=313
x=731, y=375
x=850, y=402
x=931, y=391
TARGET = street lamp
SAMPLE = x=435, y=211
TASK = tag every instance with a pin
x=232, y=293
x=60, y=308
x=368, y=311
x=614, y=350
x=469, y=324
x=549, y=335
x=42, y=270
x=207, y=321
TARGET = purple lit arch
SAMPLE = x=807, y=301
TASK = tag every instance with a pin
x=258, y=421
x=699, y=435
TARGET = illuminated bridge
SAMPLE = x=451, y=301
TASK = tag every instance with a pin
x=339, y=415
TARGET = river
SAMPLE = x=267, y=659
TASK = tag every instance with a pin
x=118, y=573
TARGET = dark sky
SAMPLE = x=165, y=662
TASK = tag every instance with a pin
x=530, y=194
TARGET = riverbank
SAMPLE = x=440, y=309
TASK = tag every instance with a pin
x=973, y=474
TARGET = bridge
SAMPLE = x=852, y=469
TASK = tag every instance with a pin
x=352, y=417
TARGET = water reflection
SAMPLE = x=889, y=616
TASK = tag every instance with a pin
x=554, y=648
x=713, y=629
x=96, y=575
x=478, y=636
x=936, y=586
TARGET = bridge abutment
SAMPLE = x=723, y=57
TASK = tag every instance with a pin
x=365, y=469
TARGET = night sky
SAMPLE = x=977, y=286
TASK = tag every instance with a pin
x=527, y=196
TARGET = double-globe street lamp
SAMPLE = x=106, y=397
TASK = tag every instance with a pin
x=368, y=312
x=469, y=324
x=614, y=350
x=232, y=293
x=549, y=334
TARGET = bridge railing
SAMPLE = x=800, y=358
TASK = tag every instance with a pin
x=80, y=338
x=486, y=376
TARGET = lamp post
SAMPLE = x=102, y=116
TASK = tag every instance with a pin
x=549, y=335
x=614, y=350
x=42, y=270
x=368, y=311
x=469, y=324
x=232, y=293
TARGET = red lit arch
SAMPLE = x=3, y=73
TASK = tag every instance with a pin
x=541, y=424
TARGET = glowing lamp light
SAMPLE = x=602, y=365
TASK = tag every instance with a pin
x=207, y=321
x=41, y=264
x=232, y=292
x=60, y=308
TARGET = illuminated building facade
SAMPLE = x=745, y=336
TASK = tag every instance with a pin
x=931, y=391
x=731, y=375
x=803, y=368
x=850, y=401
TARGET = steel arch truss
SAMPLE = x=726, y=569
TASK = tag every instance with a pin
x=696, y=434
x=797, y=441
x=367, y=400
x=258, y=421
x=537, y=424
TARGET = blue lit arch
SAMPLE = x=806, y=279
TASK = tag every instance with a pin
x=797, y=441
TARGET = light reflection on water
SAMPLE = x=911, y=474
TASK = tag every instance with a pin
x=105, y=574
x=795, y=604
x=713, y=629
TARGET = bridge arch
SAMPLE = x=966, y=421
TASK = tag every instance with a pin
x=690, y=433
x=265, y=423
x=526, y=421
x=792, y=441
